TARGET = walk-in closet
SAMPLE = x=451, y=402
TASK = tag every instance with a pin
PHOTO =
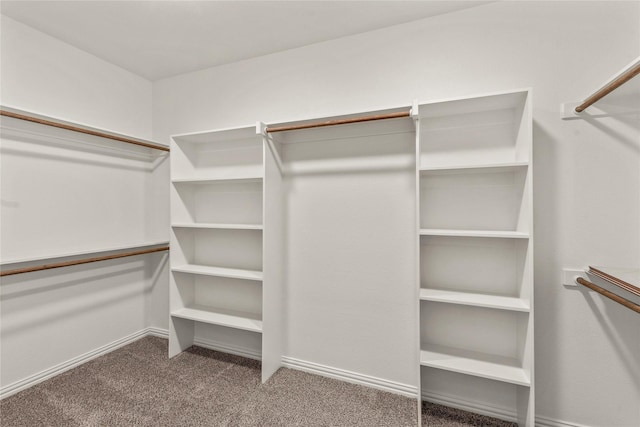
x=371, y=213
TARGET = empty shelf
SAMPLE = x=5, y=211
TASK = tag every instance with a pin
x=233, y=273
x=474, y=233
x=476, y=300
x=473, y=363
x=490, y=167
x=229, y=318
x=214, y=180
x=219, y=226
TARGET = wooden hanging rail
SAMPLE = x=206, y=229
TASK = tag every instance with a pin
x=81, y=261
x=339, y=122
x=617, y=298
x=615, y=281
x=80, y=129
x=621, y=79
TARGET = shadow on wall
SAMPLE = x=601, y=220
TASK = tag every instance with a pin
x=623, y=108
x=33, y=299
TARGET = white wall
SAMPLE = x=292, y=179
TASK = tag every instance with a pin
x=587, y=349
x=61, y=197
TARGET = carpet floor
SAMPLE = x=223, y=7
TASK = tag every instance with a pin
x=137, y=385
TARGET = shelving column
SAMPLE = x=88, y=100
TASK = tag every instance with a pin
x=476, y=253
x=216, y=286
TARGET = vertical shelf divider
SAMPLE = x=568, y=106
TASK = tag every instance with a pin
x=273, y=254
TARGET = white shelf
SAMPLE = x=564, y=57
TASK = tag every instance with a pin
x=232, y=273
x=219, y=226
x=218, y=135
x=88, y=135
x=139, y=246
x=475, y=300
x=214, y=180
x=472, y=363
x=474, y=233
x=489, y=167
x=214, y=316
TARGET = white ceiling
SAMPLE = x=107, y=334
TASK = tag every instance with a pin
x=158, y=39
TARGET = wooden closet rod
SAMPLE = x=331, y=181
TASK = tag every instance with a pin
x=629, y=304
x=615, y=281
x=81, y=261
x=81, y=130
x=339, y=122
x=610, y=87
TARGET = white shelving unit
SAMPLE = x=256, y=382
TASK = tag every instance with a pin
x=217, y=214
x=475, y=228
x=249, y=205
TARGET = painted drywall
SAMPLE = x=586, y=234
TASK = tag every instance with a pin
x=587, y=349
x=60, y=195
x=42, y=74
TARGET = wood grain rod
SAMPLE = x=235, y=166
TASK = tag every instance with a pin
x=81, y=130
x=81, y=261
x=610, y=87
x=615, y=281
x=617, y=298
x=339, y=122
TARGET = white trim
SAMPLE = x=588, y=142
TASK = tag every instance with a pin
x=350, y=377
x=157, y=332
x=550, y=422
x=227, y=348
x=288, y=362
x=58, y=369
x=481, y=408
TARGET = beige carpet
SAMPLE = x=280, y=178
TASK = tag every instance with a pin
x=138, y=385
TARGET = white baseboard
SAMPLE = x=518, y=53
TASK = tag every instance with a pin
x=227, y=348
x=550, y=422
x=157, y=332
x=41, y=376
x=288, y=362
x=350, y=377
x=507, y=414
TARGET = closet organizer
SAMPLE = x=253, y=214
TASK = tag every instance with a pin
x=83, y=242
x=411, y=223
x=74, y=194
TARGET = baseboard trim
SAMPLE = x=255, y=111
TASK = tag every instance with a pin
x=502, y=413
x=550, y=422
x=58, y=369
x=350, y=377
x=287, y=362
x=227, y=348
x=157, y=332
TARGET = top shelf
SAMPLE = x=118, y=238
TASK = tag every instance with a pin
x=467, y=105
x=219, y=135
x=625, y=278
x=28, y=121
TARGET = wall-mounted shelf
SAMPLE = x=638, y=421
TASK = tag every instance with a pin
x=221, y=317
x=63, y=129
x=587, y=109
x=204, y=270
x=474, y=363
x=219, y=226
x=474, y=233
x=217, y=180
x=489, y=167
x=475, y=299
